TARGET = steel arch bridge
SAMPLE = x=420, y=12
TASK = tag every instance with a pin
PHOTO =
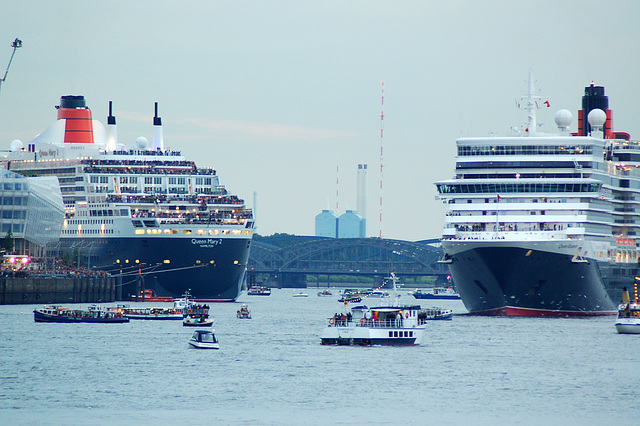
x=373, y=257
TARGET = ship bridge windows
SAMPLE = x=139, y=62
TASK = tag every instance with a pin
x=506, y=188
x=522, y=164
x=475, y=150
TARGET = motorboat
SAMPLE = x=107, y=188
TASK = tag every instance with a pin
x=149, y=295
x=197, y=322
x=394, y=325
x=301, y=294
x=258, y=290
x=325, y=293
x=378, y=294
x=204, y=339
x=436, y=314
x=243, y=312
x=350, y=295
x=628, y=321
x=437, y=293
x=95, y=314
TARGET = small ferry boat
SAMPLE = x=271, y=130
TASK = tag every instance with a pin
x=436, y=314
x=204, y=339
x=324, y=293
x=149, y=295
x=95, y=314
x=351, y=295
x=628, y=321
x=182, y=302
x=259, y=291
x=243, y=312
x=196, y=315
x=378, y=294
x=152, y=313
x=437, y=293
x=384, y=325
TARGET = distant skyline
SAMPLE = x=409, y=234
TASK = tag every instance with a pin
x=277, y=95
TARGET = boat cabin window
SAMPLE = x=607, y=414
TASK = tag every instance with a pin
x=207, y=338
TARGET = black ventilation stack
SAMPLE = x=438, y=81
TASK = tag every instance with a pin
x=594, y=98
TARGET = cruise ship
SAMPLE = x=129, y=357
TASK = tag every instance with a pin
x=545, y=224
x=141, y=211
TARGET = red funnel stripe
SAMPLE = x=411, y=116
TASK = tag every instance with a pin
x=79, y=126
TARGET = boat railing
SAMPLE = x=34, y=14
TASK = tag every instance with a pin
x=511, y=235
x=372, y=323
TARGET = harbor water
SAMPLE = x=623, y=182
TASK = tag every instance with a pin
x=272, y=369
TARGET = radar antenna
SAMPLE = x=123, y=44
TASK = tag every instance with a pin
x=17, y=43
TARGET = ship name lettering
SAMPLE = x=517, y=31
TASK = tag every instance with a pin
x=49, y=153
x=568, y=245
x=206, y=242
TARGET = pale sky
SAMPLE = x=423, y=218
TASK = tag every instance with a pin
x=276, y=95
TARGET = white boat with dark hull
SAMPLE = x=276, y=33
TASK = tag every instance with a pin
x=392, y=325
x=628, y=321
x=204, y=339
x=437, y=293
x=545, y=224
x=140, y=209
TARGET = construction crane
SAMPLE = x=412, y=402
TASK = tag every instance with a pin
x=17, y=43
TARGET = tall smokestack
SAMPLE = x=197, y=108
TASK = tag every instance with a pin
x=158, y=141
x=112, y=130
x=362, y=190
x=79, y=123
x=594, y=98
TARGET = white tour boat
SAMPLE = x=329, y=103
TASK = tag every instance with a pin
x=394, y=325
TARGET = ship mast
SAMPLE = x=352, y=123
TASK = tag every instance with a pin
x=531, y=106
x=17, y=43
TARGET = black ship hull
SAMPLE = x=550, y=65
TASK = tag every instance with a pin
x=210, y=269
x=521, y=282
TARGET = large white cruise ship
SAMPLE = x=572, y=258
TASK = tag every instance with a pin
x=147, y=211
x=545, y=224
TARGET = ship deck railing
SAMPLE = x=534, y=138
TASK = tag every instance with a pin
x=371, y=323
x=515, y=235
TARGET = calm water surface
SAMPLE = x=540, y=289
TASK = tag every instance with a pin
x=272, y=370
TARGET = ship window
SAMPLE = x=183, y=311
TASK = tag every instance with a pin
x=139, y=231
x=186, y=231
x=391, y=334
x=201, y=232
x=214, y=232
x=411, y=334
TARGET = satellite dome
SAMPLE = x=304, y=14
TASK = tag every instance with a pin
x=597, y=117
x=16, y=145
x=142, y=142
x=563, y=118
